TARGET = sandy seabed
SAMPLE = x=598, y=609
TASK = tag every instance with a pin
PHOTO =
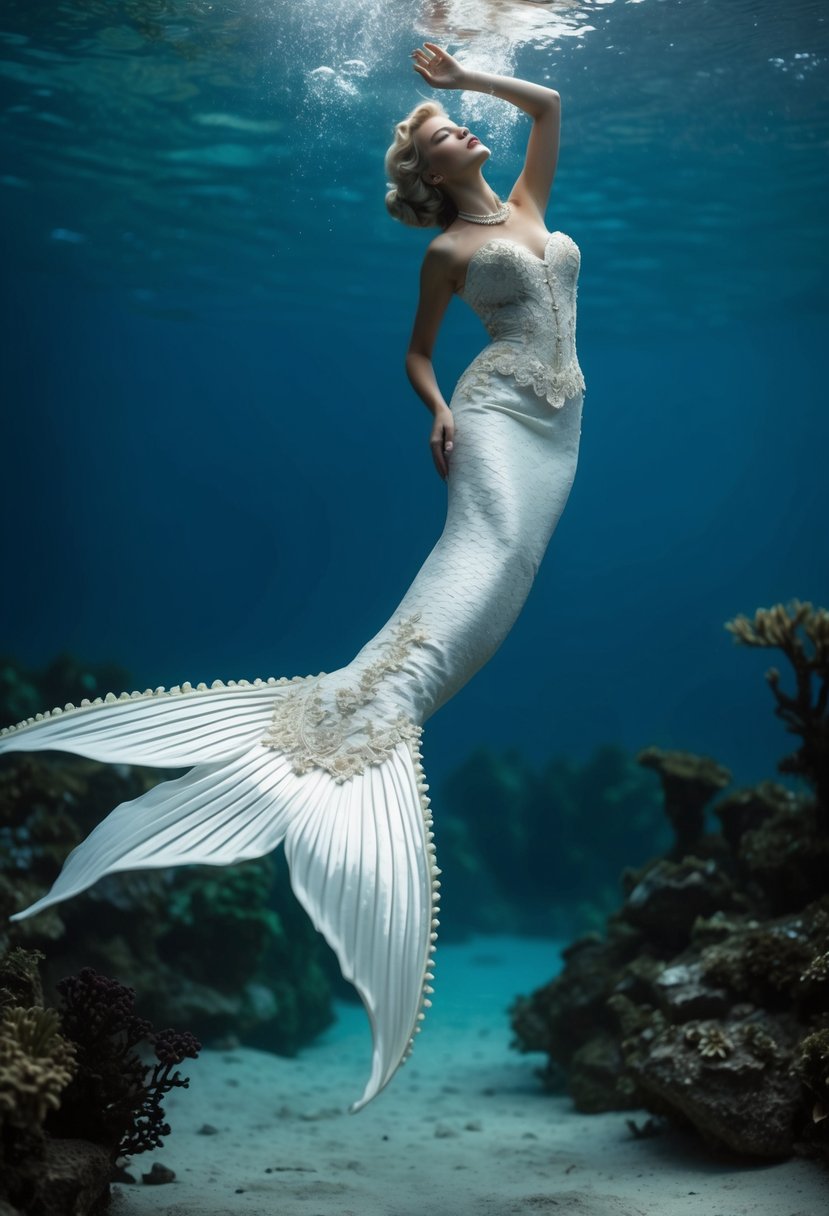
x=463, y=1129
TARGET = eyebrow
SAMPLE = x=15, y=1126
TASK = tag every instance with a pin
x=434, y=133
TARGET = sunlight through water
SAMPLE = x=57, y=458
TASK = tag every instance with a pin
x=225, y=151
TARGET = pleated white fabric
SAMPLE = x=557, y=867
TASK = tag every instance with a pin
x=360, y=862
x=162, y=729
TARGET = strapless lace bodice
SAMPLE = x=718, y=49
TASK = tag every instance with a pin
x=528, y=305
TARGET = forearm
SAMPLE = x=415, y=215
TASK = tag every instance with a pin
x=421, y=375
x=533, y=99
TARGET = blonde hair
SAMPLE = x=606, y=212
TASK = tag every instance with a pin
x=410, y=199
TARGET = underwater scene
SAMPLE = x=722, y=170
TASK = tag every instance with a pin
x=247, y=869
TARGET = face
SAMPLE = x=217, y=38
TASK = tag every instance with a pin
x=450, y=151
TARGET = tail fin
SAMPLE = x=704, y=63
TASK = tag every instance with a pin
x=360, y=851
x=165, y=728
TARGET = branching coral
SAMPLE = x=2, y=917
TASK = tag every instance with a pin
x=805, y=713
x=116, y=1099
x=36, y=1065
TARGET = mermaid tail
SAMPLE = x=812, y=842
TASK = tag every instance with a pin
x=360, y=853
x=329, y=765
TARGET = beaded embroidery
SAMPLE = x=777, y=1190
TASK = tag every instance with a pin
x=314, y=734
x=528, y=305
x=555, y=386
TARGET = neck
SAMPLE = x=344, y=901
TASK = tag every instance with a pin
x=476, y=196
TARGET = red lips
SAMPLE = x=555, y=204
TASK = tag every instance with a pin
x=473, y=139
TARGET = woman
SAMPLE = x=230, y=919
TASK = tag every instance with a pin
x=330, y=764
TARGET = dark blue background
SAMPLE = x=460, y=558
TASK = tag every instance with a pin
x=213, y=465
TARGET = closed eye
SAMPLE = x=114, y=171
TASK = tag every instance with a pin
x=441, y=134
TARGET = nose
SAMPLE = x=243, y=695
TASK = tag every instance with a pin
x=464, y=133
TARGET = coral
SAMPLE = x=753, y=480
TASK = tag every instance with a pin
x=670, y=895
x=688, y=782
x=786, y=857
x=67, y=1074
x=711, y=1078
x=710, y=1041
x=683, y=991
x=561, y=1017
x=806, y=713
x=776, y=964
x=745, y=809
x=715, y=1013
x=597, y=1078
x=761, y=1045
x=115, y=1100
x=36, y=1065
x=20, y=979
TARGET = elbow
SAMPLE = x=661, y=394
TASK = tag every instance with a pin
x=549, y=104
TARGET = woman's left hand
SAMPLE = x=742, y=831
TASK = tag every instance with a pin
x=437, y=67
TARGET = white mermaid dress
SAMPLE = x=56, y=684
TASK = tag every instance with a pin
x=331, y=764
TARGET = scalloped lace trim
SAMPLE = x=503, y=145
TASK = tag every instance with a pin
x=314, y=733
x=527, y=369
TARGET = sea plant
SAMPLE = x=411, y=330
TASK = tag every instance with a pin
x=115, y=1099
x=802, y=633
x=36, y=1064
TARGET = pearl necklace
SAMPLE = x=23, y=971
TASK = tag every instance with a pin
x=493, y=217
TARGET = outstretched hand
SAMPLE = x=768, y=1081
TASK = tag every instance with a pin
x=437, y=67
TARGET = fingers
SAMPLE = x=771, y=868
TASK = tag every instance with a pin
x=442, y=446
x=427, y=60
x=421, y=61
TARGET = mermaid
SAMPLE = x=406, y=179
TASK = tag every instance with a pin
x=330, y=765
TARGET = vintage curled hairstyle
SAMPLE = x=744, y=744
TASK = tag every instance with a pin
x=410, y=199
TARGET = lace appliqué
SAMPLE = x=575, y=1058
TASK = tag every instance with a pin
x=528, y=307
x=314, y=734
x=527, y=369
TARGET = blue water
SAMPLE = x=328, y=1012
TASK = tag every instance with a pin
x=214, y=466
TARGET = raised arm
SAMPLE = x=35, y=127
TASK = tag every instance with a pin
x=543, y=105
x=435, y=293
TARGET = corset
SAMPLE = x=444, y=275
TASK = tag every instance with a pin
x=528, y=306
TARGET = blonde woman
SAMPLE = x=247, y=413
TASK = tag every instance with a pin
x=330, y=765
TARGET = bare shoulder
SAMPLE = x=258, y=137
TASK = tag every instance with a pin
x=444, y=259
